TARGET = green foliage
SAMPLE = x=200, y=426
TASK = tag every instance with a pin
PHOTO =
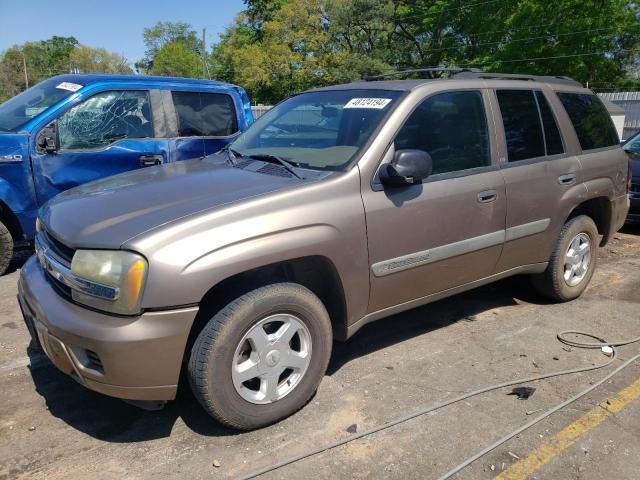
x=50, y=57
x=98, y=60
x=277, y=47
x=163, y=33
x=177, y=60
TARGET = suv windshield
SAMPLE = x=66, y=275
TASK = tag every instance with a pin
x=319, y=130
x=17, y=111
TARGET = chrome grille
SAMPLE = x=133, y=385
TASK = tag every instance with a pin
x=61, y=250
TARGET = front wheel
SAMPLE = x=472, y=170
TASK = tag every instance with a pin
x=262, y=357
x=6, y=248
x=572, y=262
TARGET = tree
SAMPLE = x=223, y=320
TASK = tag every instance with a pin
x=163, y=33
x=98, y=60
x=276, y=47
x=176, y=59
x=54, y=56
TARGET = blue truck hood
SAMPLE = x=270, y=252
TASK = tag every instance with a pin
x=107, y=213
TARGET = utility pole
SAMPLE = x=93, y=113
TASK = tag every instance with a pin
x=26, y=75
x=204, y=52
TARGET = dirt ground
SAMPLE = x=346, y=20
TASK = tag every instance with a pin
x=50, y=427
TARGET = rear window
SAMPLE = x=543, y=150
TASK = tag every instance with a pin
x=551, y=131
x=590, y=119
x=205, y=114
x=522, y=126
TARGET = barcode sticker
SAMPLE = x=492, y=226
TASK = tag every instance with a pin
x=377, y=103
x=72, y=87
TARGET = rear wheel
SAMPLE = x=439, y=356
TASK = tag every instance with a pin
x=572, y=262
x=261, y=358
x=6, y=248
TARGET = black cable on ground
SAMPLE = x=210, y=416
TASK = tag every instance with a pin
x=561, y=337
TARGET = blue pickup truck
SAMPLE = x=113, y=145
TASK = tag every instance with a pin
x=72, y=129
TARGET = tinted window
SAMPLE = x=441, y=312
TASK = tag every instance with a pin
x=521, y=124
x=551, y=131
x=590, y=119
x=205, y=114
x=105, y=118
x=452, y=128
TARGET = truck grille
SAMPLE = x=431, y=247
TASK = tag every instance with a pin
x=62, y=254
x=635, y=187
x=62, y=251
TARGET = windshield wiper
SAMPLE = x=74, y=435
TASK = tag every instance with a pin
x=267, y=157
x=232, y=155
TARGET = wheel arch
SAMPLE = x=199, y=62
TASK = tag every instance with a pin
x=10, y=220
x=599, y=209
x=315, y=272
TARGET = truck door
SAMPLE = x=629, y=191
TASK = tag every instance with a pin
x=109, y=133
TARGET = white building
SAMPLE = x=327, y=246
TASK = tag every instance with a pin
x=630, y=103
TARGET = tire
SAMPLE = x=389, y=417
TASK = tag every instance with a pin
x=234, y=335
x=552, y=282
x=6, y=248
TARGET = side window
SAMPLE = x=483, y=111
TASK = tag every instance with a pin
x=551, y=131
x=452, y=128
x=521, y=124
x=590, y=119
x=205, y=114
x=105, y=118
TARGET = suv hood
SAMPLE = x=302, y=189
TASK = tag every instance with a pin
x=107, y=213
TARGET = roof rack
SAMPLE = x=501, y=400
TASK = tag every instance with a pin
x=431, y=72
x=514, y=76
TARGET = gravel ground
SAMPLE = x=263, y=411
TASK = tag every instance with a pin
x=50, y=427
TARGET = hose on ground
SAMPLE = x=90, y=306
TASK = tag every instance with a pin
x=562, y=337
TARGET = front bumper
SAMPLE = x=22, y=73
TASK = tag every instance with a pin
x=135, y=358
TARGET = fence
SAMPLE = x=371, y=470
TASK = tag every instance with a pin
x=259, y=110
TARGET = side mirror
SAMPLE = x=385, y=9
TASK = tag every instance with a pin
x=408, y=167
x=47, y=139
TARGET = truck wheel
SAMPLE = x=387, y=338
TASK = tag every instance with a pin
x=572, y=262
x=262, y=357
x=6, y=248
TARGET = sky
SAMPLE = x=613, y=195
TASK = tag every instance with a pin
x=116, y=25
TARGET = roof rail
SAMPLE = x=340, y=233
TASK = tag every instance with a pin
x=431, y=72
x=515, y=76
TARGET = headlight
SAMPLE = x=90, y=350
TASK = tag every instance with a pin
x=38, y=225
x=115, y=280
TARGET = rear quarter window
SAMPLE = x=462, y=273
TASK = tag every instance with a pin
x=202, y=114
x=590, y=119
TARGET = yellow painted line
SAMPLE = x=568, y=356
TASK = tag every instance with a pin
x=555, y=445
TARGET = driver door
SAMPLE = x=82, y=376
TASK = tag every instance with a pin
x=109, y=133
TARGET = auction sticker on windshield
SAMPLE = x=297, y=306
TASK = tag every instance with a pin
x=377, y=103
x=72, y=87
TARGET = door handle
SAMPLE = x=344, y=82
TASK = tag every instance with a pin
x=487, y=196
x=150, y=160
x=568, y=179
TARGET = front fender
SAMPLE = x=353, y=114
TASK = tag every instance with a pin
x=324, y=220
x=16, y=185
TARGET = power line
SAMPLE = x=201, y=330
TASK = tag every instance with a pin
x=551, y=35
x=516, y=60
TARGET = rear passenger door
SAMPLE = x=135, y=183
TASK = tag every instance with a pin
x=206, y=122
x=538, y=175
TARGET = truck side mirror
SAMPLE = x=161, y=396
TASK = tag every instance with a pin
x=47, y=139
x=408, y=167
